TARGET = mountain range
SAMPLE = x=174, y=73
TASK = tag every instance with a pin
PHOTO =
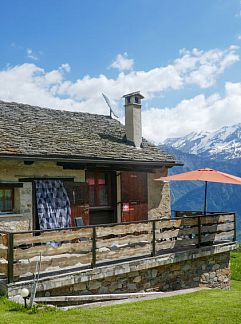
x=224, y=143
x=220, y=150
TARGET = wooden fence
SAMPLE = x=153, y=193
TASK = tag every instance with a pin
x=91, y=246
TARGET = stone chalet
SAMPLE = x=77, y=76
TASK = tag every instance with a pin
x=106, y=168
x=78, y=200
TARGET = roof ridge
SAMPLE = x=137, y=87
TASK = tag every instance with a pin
x=52, y=109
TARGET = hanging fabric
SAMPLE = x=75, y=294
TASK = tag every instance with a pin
x=53, y=206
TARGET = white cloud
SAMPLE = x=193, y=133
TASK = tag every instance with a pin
x=31, y=55
x=198, y=113
x=205, y=67
x=122, y=62
x=194, y=67
x=65, y=67
x=56, y=76
x=31, y=84
x=28, y=83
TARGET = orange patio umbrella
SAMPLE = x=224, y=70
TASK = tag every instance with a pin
x=207, y=175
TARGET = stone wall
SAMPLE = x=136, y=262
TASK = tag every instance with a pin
x=212, y=272
x=21, y=219
x=13, y=170
x=203, y=267
x=15, y=223
x=158, y=195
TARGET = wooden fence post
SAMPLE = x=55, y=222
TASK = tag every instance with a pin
x=235, y=228
x=199, y=231
x=93, y=263
x=10, y=257
x=153, y=238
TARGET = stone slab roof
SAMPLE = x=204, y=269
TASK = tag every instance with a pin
x=31, y=131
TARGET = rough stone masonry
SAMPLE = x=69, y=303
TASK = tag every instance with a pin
x=212, y=272
x=203, y=267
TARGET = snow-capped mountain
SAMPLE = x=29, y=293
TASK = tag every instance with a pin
x=220, y=150
x=224, y=143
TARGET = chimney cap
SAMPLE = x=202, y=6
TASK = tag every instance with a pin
x=136, y=93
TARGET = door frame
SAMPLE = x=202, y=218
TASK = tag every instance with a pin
x=112, y=194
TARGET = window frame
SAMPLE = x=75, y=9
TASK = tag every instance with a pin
x=4, y=188
x=137, y=100
x=97, y=186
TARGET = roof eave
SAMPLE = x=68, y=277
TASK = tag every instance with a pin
x=62, y=159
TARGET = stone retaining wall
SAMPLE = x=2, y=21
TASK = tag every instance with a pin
x=212, y=272
x=208, y=266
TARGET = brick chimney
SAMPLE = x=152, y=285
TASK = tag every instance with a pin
x=133, y=118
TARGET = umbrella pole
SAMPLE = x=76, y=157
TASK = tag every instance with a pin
x=205, y=198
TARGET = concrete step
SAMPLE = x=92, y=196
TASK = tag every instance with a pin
x=85, y=299
x=69, y=302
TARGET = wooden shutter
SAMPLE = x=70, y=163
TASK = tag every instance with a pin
x=134, y=196
x=78, y=193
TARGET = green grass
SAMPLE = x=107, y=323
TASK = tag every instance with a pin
x=207, y=306
x=236, y=264
x=213, y=306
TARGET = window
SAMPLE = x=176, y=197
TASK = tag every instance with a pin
x=6, y=199
x=99, y=188
x=136, y=100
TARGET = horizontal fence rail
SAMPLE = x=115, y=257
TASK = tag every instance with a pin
x=91, y=246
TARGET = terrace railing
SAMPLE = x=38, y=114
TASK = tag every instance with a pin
x=91, y=246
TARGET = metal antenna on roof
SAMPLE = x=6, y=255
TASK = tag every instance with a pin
x=107, y=100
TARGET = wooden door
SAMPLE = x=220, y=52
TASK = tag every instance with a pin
x=102, y=196
x=134, y=196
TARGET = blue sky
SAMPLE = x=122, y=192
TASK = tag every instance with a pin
x=63, y=54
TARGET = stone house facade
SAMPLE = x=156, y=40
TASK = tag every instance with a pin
x=107, y=169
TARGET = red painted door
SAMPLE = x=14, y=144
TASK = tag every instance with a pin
x=134, y=196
